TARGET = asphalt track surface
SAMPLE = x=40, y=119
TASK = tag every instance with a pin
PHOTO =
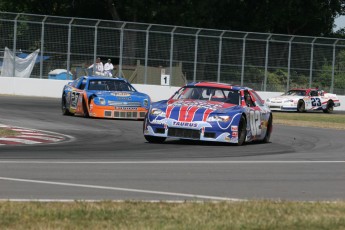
x=105, y=159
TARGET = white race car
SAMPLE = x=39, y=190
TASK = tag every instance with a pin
x=302, y=100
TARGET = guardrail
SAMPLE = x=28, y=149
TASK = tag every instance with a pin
x=53, y=88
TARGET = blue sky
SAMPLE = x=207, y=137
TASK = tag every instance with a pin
x=339, y=22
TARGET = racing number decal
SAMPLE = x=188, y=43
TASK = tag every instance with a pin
x=74, y=99
x=315, y=101
x=255, y=122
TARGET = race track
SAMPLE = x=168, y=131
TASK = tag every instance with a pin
x=110, y=160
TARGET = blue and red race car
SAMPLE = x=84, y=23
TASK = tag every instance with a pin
x=209, y=111
x=104, y=97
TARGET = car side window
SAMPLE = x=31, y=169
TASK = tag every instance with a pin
x=258, y=99
x=82, y=84
x=313, y=94
x=248, y=99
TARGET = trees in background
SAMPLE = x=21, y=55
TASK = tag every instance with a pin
x=294, y=17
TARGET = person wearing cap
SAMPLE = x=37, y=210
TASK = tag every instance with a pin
x=108, y=68
x=98, y=67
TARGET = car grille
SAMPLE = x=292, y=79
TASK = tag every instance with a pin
x=125, y=115
x=125, y=104
x=184, y=133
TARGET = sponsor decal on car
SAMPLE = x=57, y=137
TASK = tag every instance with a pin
x=120, y=94
x=234, y=128
x=199, y=104
x=127, y=108
x=185, y=124
x=159, y=122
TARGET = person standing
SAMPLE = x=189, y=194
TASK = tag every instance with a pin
x=108, y=68
x=98, y=69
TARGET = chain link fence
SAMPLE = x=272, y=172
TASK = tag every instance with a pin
x=143, y=52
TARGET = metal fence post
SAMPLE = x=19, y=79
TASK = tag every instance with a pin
x=266, y=61
x=121, y=49
x=42, y=46
x=220, y=55
x=333, y=64
x=196, y=54
x=289, y=64
x=95, y=46
x=171, y=52
x=146, y=52
x=69, y=45
x=15, y=45
x=243, y=57
x=311, y=62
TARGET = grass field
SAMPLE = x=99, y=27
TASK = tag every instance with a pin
x=311, y=119
x=4, y=132
x=186, y=215
x=162, y=215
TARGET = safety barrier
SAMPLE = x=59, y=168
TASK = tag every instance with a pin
x=53, y=88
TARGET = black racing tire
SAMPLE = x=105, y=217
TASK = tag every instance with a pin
x=65, y=110
x=301, y=106
x=269, y=129
x=242, y=131
x=145, y=121
x=153, y=139
x=85, y=110
x=329, y=108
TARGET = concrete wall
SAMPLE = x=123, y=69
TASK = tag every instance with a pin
x=53, y=88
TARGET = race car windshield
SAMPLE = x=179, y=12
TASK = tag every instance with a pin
x=209, y=94
x=295, y=93
x=110, y=85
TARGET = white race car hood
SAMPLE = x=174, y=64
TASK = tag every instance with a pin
x=285, y=98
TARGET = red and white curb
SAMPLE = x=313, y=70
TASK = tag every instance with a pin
x=31, y=136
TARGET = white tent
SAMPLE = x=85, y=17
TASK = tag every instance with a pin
x=18, y=67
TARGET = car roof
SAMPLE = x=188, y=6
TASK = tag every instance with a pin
x=304, y=89
x=95, y=77
x=217, y=85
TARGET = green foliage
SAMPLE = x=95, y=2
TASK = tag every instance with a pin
x=308, y=17
x=276, y=81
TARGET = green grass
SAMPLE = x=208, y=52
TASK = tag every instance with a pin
x=188, y=215
x=4, y=132
x=311, y=119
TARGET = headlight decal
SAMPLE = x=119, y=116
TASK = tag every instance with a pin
x=146, y=102
x=230, y=122
x=102, y=101
x=218, y=118
x=157, y=112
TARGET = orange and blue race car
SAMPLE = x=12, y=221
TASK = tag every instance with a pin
x=104, y=97
x=209, y=111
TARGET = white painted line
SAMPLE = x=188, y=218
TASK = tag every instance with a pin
x=195, y=196
x=21, y=130
x=114, y=201
x=33, y=133
x=40, y=137
x=172, y=162
x=19, y=140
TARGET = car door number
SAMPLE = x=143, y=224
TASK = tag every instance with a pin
x=315, y=101
x=255, y=122
x=74, y=99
